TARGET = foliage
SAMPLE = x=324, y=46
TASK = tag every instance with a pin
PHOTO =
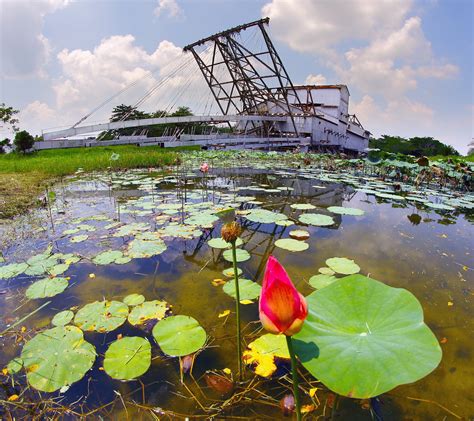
x=417, y=146
x=23, y=141
x=128, y=358
x=7, y=117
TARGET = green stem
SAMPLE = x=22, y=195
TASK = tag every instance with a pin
x=294, y=372
x=237, y=307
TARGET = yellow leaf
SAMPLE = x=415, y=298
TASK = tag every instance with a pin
x=465, y=268
x=450, y=303
x=23, y=329
x=5, y=371
x=217, y=282
x=307, y=408
x=227, y=371
x=13, y=398
x=91, y=275
x=312, y=391
x=244, y=302
x=224, y=313
x=265, y=364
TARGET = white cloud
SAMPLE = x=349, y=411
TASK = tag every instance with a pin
x=24, y=48
x=36, y=116
x=170, y=7
x=318, y=79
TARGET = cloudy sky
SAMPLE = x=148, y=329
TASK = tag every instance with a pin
x=408, y=63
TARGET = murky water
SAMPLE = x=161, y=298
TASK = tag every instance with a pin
x=400, y=242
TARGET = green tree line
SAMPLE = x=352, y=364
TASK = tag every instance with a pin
x=416, y=146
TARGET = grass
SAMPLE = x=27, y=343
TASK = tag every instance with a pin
x=24, y=177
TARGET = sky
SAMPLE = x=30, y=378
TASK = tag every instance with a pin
x=408, y=64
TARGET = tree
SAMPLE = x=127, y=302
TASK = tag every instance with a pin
x=126, y=112
x=471, y=148
x=7, y=117
x=23, y=141
x=3, y=144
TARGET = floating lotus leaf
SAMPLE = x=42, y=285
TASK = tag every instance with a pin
x=284, y=223
x=262, y=353
x=139, y=248
x=241, y=255
x=180, y=335
x=316, y=219
x=15, y=365
x=363, y=338
x=57, y=357
x=230, y=272
x=181, y=231
x=131, y=229
x=326, y=271
x=202, y=220
x=79, y=238
x=12, y=270
x=108, y=257
x=265, y=216
x=48, y=287
x=134, y=299
x=101, y=316
x=62, y=318
x=127, y=358
x=439, y=206
x=291, y=245
x=343, y=265
x=346, y=211
x=58, y=269
x=148, y=310
x=248, y=290
x=219, y=243
x=299, y=234
x=321, y=281
x=389, y=196
x=302, y=206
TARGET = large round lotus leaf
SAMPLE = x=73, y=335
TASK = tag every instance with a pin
x=389, y=196
x=265, y=216
x=241, y=255
x=48, y=287
x=134, y=299
x=291, y=245
x=79, y=238
x=58, y=269
x=321, y=281
x=316, y=219
x=284, y=223
x=145, y=248
x=149, y=310
x=343, y=265
x=302, y=206
x=101, y=316
x=202, y=220
x=179, y=335
x=128, y=358
x=12, y=270
x=248, y=290
x=345, y=211
x=219, y=243
x=439, y=206
x=108, y=257
x=363, y=338
x=62, y=318
x=57, y=357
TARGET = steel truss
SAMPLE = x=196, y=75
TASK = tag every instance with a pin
x=257, y=79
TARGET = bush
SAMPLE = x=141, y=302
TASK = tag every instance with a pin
x=23, y=141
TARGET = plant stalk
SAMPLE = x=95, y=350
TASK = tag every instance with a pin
x=294, y=373
x=237, y=307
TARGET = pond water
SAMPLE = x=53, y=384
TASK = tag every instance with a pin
x=399, y=240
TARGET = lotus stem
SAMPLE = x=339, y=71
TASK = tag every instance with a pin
x=237, y=307
x=294, y=373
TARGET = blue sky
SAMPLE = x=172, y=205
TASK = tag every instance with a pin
x=408, y=64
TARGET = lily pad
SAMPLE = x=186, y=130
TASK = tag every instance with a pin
x=316, y=219
x=57, y=357
x=109, y=257
x=101, y=316
x=284, y=223
x=346, y=211
x=180, y=335
x=79, y=238
x=321, y=281
x=230, y=272
x=262, y=352
x=128, y=358
x=343, y=265
x=241, y=255
x=134, y=299
x=265, y=216
x=291, y=245
x=12, y=270
x=48, y=287
x=363, y=338
x=62, y=318
x=149, y=310
x=219, y=243
x=141, y=248
x=248, y=290
x=15, y=365
x=326, y=271
x=302, y=206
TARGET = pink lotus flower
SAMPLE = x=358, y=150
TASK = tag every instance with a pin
x=282, y=308
x=204, y=167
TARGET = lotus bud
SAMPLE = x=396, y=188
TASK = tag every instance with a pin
x=231, y=231
x=204, y=167
x=287, y=405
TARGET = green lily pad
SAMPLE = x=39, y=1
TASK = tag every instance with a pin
x=389, y=196
x=15, y=365
x=321, y=281
x=128, y=358
x=248, y=290
x=79, y=238
x=180, y=335
x=343, y=265
x=149, y=310
x=109, y=257
x=48, y=287
x=12, y=270
x=316, y=219
x=439, y=206
x=284, y=223
x=291, y=245
x=230, y=272
x=326, y=271
x=62, y=318
x=346, y=211
x=241, y=255
x=134, y=299
x=363, y=338
x=58, y=269
x=265, y=216
x=302, y=206
x=141, y=248
x=101, y=316
x=202, y=220
x=219, y=243
x=57, y=357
